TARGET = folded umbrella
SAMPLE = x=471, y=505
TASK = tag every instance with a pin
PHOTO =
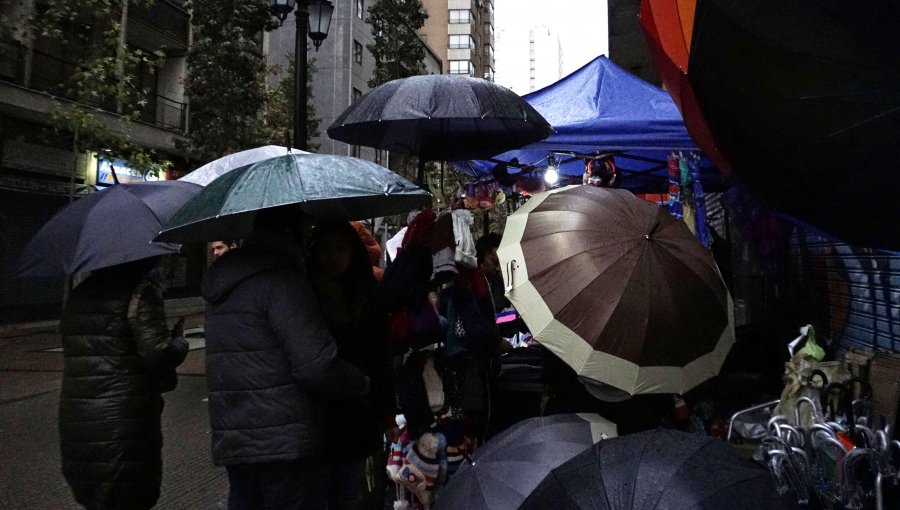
x=110, y=227
x=618, y=289
x=324, y=186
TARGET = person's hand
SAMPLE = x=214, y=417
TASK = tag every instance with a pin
x=178, y=329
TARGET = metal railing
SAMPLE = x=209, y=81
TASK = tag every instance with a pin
x=49, y=74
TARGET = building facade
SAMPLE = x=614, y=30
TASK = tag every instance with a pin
x=37, y=162
x=344, y=65
x=627, y=46
x=461, y=32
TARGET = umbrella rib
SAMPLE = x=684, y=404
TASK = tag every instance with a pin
x=861, y=123
x=708, y=444
x=568, y=283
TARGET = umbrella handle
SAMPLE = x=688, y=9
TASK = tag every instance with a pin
x=510, y=267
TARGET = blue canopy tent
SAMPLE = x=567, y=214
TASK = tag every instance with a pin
x=603, y=109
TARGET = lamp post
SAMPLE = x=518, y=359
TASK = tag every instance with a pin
x=314, y=17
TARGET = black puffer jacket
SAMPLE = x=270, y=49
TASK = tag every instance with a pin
x=271, y=363
x=109, y=416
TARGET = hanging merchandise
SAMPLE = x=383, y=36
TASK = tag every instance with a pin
x=470, y=201
x=687, y=194
x=700, y=218
x=465, y=243
x=484, y=199
x=674, y=187
x=498, y=196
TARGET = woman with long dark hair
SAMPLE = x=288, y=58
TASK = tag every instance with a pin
x=345, y=285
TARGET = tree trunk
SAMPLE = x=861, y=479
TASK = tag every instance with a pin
x=120, y=59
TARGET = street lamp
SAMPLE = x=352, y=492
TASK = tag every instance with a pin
x=314, y=17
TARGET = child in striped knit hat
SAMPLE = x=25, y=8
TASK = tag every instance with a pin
x=421, y=468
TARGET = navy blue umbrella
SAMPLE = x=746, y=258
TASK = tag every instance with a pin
x=439, y=117
x=657, y=469
x=507, y=468
x=110, y=227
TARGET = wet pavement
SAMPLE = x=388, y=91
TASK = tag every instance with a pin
x=30, y=477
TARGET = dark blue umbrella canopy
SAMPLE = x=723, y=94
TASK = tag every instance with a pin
x=440, y=117
x=511, y=464
x=110, y=227
x=657, y=469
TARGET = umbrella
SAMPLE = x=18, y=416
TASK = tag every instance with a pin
x=322, y=185
x=439, y=117
x=802, y=99
x=510, y=465
x=110, y=227
x=206, y=173
x=618, y=289
x=657, y=469
x=668, y=26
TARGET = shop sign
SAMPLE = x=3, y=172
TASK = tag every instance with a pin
x=124, y=172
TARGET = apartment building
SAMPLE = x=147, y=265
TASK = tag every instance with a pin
x=36, y=162
x=627, y=46
x=462, y=33
x=532, y=58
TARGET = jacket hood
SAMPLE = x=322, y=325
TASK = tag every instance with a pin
x=260, y=253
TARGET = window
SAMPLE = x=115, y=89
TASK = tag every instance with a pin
x=461, y=41
x=488, y=73
x=356, y=94
x=489, y=29
x=355, y=151
x=460, y=67
x=359, y=9
x=460, y=16
x=357, y=52
x=379, y=157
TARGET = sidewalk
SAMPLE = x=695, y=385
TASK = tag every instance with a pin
x=191, y=309
x=30, y=379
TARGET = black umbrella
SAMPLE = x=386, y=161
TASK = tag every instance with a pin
x=509, y=466
x=439, y=117
x=110, y=227
x=657, y=469
x=321, y=185
x=803, y=98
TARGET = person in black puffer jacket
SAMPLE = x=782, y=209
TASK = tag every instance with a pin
x=271, y=367
x=119, y=356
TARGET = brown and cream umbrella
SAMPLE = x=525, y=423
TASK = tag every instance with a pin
x=618, y=289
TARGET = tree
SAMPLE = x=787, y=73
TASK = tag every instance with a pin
x=398, y=50
x=226, y=79
x=104, y=79
x=280, y=108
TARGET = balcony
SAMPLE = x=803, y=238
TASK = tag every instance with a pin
x=48, y=72
x=164, y=24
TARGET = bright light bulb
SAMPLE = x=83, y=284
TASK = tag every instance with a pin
x=551, y=175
